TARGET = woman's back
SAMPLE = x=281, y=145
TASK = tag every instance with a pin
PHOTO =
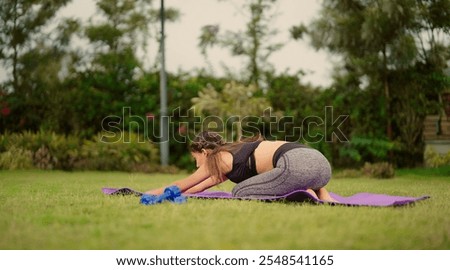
x=264, y=155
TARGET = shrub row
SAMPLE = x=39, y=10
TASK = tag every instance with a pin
x=433, y=159
x=44, y=150
x=379, y=170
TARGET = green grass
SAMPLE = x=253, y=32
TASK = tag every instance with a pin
x=66, y=210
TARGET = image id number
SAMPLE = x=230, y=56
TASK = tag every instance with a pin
x=295, y=260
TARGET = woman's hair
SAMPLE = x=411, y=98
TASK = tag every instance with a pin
x=213, y=142
x=206, y=140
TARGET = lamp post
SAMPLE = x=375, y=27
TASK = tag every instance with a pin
x=164, y=126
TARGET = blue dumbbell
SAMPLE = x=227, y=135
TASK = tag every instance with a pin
x=172, y=193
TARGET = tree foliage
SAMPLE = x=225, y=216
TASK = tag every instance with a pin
x=392, y=52
x=254, y=43
x=22, y=21
x=234, y=101
x=393, y=55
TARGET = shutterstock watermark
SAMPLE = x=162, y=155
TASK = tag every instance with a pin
x=183, y=126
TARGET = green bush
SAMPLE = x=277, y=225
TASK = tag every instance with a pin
x=16, y=158
x=381, y=170
x=434, y=160
x=124, y=151
x=47, y=150
x=366, y=148
x=64, y=151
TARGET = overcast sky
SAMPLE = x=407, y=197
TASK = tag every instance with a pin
x=182, y=52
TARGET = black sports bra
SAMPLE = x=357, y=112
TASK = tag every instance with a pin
x=244, y=164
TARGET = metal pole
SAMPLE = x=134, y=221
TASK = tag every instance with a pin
x=164, y=127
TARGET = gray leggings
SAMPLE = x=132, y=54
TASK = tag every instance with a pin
x=299, y=168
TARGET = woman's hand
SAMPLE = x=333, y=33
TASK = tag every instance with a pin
x=198, y=176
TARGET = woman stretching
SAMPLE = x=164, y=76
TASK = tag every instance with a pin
x=259, y=168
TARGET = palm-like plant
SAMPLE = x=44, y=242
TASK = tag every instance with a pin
x=236, y=101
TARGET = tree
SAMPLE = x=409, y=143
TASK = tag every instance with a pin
x=33, y=54
x=22, y=21
x=254, y=43
x=113, y=76
x=380, y=42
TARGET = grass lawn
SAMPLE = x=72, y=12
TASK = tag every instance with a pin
x=66, y=210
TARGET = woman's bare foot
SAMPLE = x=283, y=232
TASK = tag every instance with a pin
x=312, y=193
x=323, y=195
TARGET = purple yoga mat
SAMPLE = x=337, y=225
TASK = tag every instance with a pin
x=359, y=199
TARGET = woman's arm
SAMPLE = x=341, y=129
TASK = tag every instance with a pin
x=200, y=175
x=209, y=182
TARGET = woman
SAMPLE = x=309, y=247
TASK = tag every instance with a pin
x=259, y=167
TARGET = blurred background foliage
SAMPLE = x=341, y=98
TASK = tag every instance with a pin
x=54, y=102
